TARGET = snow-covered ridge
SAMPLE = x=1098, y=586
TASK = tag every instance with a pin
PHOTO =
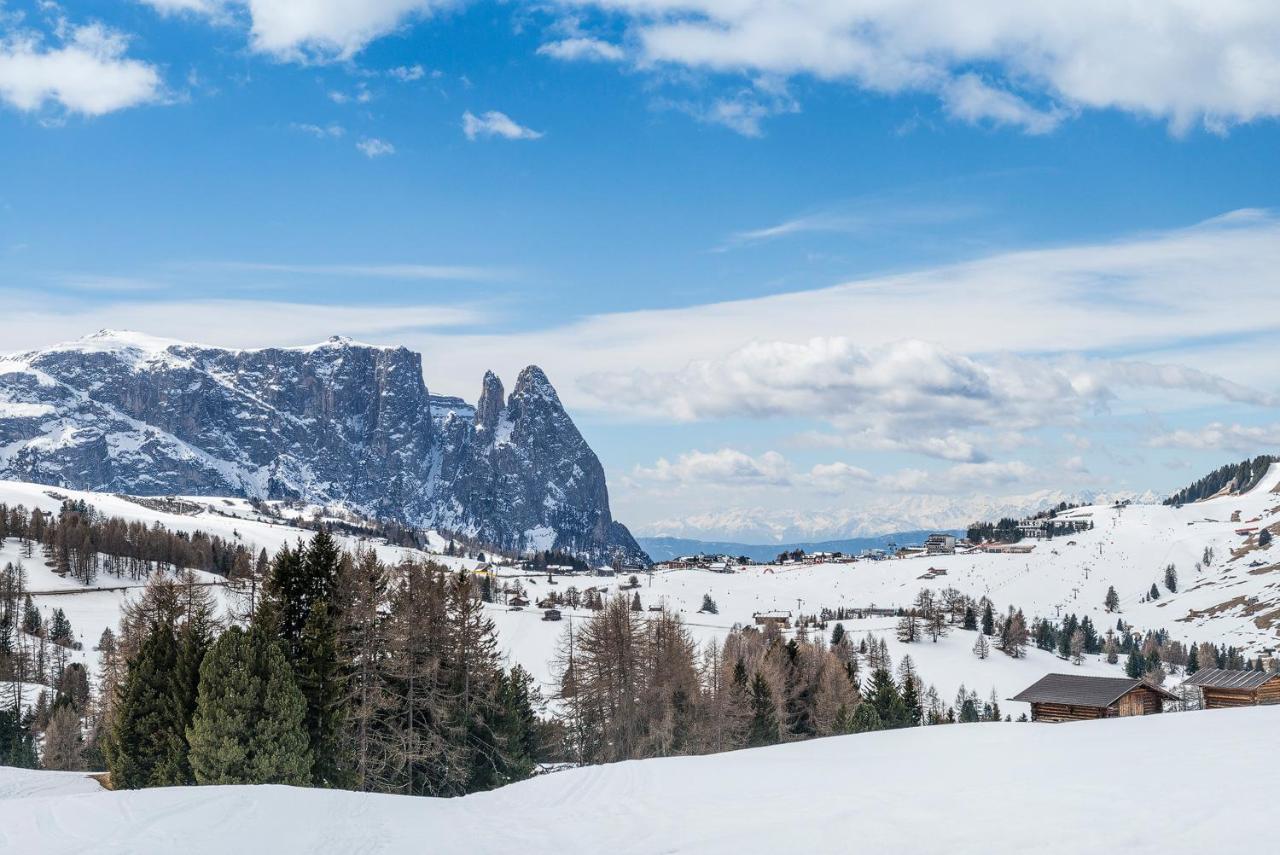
x=992, y=788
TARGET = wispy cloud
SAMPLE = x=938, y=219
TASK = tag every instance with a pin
x=445, y=272
x=373, y=147
x=583, y=48
x=495, y=124
x=329, y=131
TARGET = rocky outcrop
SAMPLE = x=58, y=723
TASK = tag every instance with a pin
x=339, y=422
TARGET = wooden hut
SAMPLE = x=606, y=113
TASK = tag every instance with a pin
x=1075, y=697
x=1222, y=688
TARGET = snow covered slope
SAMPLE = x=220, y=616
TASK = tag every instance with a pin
x=991, y=788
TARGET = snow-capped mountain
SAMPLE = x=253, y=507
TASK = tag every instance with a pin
x=338, y=422
x=907, y=513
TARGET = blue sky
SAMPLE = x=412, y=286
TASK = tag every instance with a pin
x=784, y=262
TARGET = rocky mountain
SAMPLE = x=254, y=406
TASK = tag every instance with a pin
x=336, y=423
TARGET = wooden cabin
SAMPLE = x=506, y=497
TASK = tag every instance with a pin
x=1075, y=697
x=780, y=619
x=1222, y=688
x=551, y=614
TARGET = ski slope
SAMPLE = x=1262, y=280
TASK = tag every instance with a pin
x=1135, y=785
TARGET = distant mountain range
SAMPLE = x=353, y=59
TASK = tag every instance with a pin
x=666, y=548
x=336, y=423
x=776, y=527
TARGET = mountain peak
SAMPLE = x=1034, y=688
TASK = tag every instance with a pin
x=533, y=384
x=492, y=401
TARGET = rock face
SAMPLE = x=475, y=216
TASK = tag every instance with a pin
x=339, y=422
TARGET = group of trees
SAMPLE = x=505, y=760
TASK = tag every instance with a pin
x=80, y=542
x=1235, y=477
x=633, y=686
x=345, y=673
x=34, y=652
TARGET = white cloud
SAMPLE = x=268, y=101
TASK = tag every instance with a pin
x=743, y=111
x=583, y=48
x=1179, y=60
x=1218, y=435
x=967, y=97
x=329, y=131
x=446, y=272
x=495, y=124
x=323, y=30
x=723, y=468
x=1154, y=293
x=374, y=147
x=729, y=468
x=232, y=323
x=88, y=73
x=408, y=73
x=209, y=8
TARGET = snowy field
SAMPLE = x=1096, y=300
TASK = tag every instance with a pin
x=1232, y=601
x=1134, y=785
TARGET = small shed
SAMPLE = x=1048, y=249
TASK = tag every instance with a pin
x=1222, y=688
x=517, y=600
x=551, y=614
x=1075, y=697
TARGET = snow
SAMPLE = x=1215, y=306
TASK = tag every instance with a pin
x=992, y=788
x=1228, y=602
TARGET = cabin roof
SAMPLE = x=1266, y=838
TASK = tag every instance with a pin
x=1221, y=678
x=1083, y=691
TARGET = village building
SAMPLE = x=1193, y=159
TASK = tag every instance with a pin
x=780, y=619
x=551, y=614
x=1075, y=697
x=940, y=544
x=517, y=601
x=1222, y=689
x=1008, y=548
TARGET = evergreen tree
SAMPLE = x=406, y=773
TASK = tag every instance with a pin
x=764, y=715
x=837, y=634
x=17, y=745
x=988, y=620
x=320, y=679
x=866, y=719
x=147, y=745
x=1112, y=601
x=1154, y=593
x=884, y=696
x=1193, y=660
x=250, y=722
x=709, y=605
x=970, y=618
x=1135, y=667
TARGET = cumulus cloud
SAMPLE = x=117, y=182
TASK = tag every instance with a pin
x=495, y=124
x=374, y=147
x=730, y=468
x=88, y=73
x=1219, y=435
x=725, y=467
x=1182, y=62
x=322, y=30
x=583, y=48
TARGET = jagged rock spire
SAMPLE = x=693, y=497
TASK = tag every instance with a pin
x=492, y=400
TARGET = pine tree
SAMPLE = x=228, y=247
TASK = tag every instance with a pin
x=837, y=634
x=866, y=719
x=1135, y=667
x=1154, y=593
x=988, y=620
x=147, y=745
x=1112, y=601
x=764, y=715
x=883, y=694
x=709, y=605
x=320, y=679
x=250, y=722
x=970, y=618
x=1193, y=660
